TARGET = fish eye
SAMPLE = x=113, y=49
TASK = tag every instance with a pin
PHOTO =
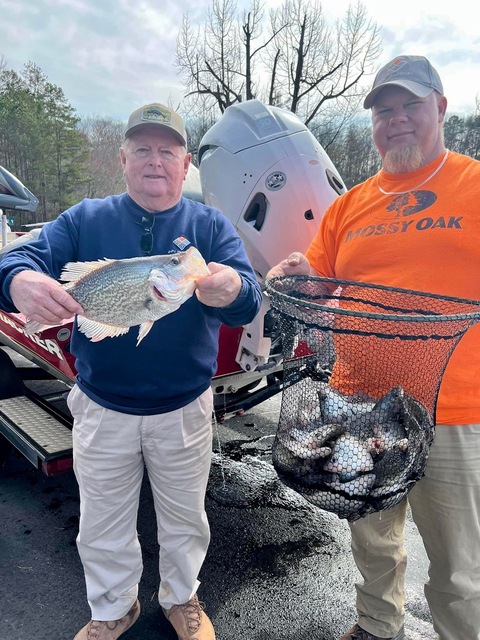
x=175, y=261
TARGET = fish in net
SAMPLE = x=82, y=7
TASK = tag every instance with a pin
x=362, y=369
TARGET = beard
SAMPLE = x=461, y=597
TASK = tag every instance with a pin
x=403, y=160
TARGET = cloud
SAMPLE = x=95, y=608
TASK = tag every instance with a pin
x=108, y=57
x=452, y=47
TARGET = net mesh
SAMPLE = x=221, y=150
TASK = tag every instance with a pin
x=362, y=370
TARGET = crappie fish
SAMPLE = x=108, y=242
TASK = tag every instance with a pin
x=390, y=435
x=389, y=409
x=311, y=445
x=349, y=457
x=391, y=405
x=335, y=407
x=358, y=486
x=394, y=473
x=118, y=294
x=352, y=455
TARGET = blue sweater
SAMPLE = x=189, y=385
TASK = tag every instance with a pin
x=176, y=361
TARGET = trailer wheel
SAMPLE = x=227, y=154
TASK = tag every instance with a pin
x=11, y=383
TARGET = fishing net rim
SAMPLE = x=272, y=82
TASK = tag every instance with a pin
x=271, y=291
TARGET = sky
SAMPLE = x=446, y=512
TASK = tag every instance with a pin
x=111, y=56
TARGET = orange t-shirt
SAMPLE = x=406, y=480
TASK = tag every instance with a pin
x=426, y=240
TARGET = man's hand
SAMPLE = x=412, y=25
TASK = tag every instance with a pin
x=295, y=265
x=42, y=299
x=220, y=288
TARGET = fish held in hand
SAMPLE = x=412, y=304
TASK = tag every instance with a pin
x=118, y=294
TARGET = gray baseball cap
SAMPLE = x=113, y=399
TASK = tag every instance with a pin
x=157, y=115
x=414, y=73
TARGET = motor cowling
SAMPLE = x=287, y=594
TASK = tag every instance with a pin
x=15, y=195
x=267, y=173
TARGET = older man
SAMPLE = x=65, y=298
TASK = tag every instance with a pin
x=416, y=225
x=147, y=406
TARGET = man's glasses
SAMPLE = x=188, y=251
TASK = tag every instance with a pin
x=146, y=241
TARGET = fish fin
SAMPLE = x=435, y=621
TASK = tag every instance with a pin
x=97, y=331
x=392, y=404
x=73, y=271
x=321, y=452
x=31, y=327
x=144, y=329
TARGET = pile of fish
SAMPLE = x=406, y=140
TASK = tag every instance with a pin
x=355, y=457
x=118, y=294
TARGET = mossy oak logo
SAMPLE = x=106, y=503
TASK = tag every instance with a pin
x=402, y=214
x=408, y=204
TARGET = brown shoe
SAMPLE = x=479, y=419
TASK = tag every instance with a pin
x=357, y=633
x=190, y=621
x=110, y=630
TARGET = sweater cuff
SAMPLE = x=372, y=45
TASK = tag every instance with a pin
x=241, y=295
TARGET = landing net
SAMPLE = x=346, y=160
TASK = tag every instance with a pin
x=363, y=365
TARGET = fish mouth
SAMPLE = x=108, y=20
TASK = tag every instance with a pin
x=174, y=294
x=158, y=294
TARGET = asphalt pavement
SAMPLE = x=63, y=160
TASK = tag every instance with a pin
x=278, y=568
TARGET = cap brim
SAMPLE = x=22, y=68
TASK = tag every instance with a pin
x=156, y=125
x=419, y=90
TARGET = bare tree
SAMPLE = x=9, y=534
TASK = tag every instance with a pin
x=298, y=50
x=297, y=61
x=321, y=66
x=211, y=63
x=104, y=137
x=251, y=29
x=222, y=64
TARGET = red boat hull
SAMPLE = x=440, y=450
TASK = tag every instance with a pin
x=49, y=348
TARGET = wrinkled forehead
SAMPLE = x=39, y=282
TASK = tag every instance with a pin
x=153, y=136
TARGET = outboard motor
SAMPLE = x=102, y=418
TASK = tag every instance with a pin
x=192, y=187
x=268, y=174
x=14, y=195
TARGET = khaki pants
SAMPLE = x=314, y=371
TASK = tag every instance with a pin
x=445, y=506
x=111, y=450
